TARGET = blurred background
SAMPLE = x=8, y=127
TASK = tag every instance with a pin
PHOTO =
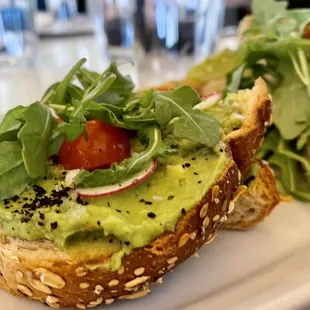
x=41, y=39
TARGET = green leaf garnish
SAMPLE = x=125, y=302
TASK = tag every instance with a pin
x=34, y=136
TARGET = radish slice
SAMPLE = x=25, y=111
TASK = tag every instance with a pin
x=208, y=101
x=109, y=190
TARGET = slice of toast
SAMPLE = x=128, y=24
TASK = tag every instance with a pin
x=40, y=271
x=258, y=201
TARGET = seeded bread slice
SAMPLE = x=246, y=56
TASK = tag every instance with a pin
x=258, y=201
x=40, y=271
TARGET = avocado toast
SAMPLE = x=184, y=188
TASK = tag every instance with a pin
x=102, y=202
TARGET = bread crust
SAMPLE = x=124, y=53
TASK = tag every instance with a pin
x=259, y=200
x=245, y=141
x=38, y=270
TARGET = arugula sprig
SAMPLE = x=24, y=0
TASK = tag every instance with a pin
x=34, y=134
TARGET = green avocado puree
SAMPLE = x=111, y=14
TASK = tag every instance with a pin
x=229, y=112
x=126, y=220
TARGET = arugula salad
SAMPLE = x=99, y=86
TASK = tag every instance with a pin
x=275, y=46
x=31, y=137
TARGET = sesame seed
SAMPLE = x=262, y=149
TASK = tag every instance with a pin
x=172, y=260
x=216, y=218
x=84, y=285
x=113, y=282
x=139, y=271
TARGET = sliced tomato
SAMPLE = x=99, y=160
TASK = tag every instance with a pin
x=105, y=145
x=306, y=33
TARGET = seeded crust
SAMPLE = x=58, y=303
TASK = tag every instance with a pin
x=40, y=271
x=258, y=201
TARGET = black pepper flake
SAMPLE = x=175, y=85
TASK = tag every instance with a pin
x=151, y=215
x=221, y=150
x=199, y=182
x=110, y=240
x=127, y=243
x=7, y=207
x=183, y=166
x=148, y=202
x=119, y=211
x=196, y=173
x=64, y=173
x=174, y=146
x=98, y=223
x=142, y=200
x=15, y=198
x=81, y=201
x=6, y=201
x=40, y=191
x=54, y=225
x=45, y=178
x=40, y=224
x=42, y=216
x=57, y=211
x=187, y=165
x=108, y=204
x=25, y=198
x=127, y=212
x=183, y=211
x=193, y=158
x=170, y=197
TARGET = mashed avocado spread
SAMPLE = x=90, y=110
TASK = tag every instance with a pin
x=229, y=112
x=52, y=211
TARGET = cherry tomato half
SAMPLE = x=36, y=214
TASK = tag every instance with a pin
x=306, y=33
x=106, y=145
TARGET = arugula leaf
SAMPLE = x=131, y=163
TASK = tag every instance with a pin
x=119, y=172
x=120, y=89
x=138, y=121
x=34, y=136
x=192, y=124
x=291, y=103
x=13, y=175
x=267, y=12
x=86, y=77
x=62, y=87
x=11, y=124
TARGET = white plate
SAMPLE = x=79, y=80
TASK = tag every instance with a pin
x=263, y=269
